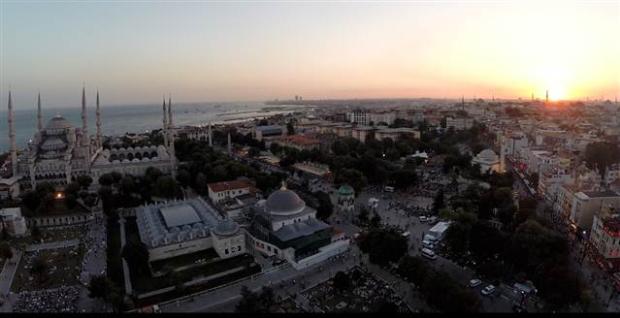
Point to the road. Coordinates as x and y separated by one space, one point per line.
226 298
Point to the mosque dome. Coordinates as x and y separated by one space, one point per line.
487 155
226 227
345 190
53 143
284 202
58 122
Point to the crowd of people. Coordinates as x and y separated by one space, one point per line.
93 262
63 299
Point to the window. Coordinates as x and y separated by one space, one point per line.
226 251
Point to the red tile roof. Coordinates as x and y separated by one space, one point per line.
229 185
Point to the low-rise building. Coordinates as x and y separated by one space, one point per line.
261 132
225 190
459 123
605 238
12 220
175 228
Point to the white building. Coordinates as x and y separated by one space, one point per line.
176 228
226 190
13 221
459 123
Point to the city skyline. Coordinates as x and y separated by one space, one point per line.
255 51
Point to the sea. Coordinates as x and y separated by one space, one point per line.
119 119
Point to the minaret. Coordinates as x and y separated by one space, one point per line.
165 122
171 139
85 138
99 137
39 116
210 136
229 145
12 137
547 96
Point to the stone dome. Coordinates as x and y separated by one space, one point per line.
58 122
346 189
487 155
226 227
284 202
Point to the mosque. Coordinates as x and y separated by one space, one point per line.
282 226
59 152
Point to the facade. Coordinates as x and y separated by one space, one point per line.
396 133
261 132
226 190
459 123
12 220
346 198
605 239
176 228
9 188
299 142
586 204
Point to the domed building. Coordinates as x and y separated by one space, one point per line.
346 198
488 161
285 227
60 152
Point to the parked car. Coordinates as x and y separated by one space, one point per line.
475 283
428 244
428 254
423 219
487 291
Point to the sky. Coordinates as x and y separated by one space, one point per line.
136 51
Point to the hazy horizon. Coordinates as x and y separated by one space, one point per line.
204 52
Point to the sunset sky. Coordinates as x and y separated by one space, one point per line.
215 51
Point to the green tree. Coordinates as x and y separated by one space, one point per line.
5 251
290 129
438 201
39 268
255 302
325 208
342 281
601 155
137 256
84 181
384 246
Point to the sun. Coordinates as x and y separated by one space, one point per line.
557 92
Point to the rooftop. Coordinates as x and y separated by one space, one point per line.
178 215
229 185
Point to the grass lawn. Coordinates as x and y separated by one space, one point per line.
64 266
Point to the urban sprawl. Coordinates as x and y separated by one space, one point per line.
385 205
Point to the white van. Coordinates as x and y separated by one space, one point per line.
406 234
428 253
388 189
